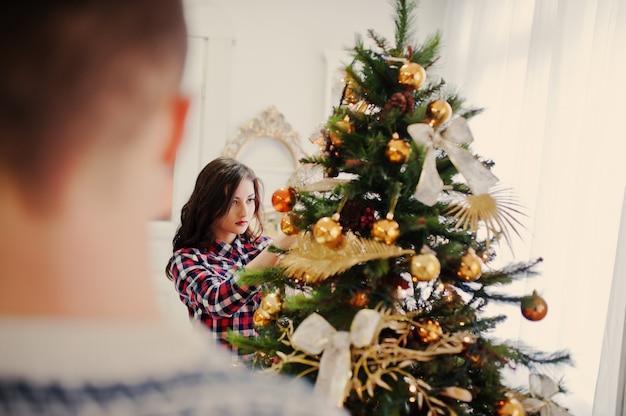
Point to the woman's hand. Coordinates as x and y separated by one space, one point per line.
267 258
285 241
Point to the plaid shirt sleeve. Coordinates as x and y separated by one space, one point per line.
206 281
210 287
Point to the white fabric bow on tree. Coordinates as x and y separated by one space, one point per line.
316 336
542 389
478 177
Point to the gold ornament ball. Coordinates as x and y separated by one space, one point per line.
287 226
272 304
385 230
398 150
510 407
284 199
261 318
430 331
335 137
425 267
328 232
471 267
439 111
341 127
411 75
349 95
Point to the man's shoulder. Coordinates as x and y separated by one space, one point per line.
190 393
53 368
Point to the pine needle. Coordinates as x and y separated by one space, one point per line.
403 20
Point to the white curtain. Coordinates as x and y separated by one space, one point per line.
551 77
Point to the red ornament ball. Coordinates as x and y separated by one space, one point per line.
534 307
284 199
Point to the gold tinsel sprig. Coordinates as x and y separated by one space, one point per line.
497 211
313 262
384 356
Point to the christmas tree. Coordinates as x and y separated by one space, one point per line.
381 302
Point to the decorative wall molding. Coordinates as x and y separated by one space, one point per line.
271 124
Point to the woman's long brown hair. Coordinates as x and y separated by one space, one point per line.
210 200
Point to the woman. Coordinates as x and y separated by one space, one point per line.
220 234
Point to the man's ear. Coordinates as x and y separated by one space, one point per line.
180 107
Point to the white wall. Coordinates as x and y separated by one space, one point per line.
278 54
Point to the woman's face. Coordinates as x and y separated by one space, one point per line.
239 215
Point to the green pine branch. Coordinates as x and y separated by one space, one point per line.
404 20
533 359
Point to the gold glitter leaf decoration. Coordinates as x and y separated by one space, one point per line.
324 185
314 262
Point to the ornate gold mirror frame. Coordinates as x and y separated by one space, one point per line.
269 124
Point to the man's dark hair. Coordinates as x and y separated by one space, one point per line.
66 64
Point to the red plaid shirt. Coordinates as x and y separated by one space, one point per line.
206 281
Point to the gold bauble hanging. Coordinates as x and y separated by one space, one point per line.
287 226
510 407
385 230
429 331
341 127
438 112
284 199
349 95
328 232
272 304
470 268
398 150
411 75
270 307
261 318
425 267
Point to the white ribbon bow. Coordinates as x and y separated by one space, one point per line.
542 389
430 185
316 336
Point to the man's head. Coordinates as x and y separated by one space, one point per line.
82 77
90 117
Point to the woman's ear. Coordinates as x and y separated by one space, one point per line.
180 107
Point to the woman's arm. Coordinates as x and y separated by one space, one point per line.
266 258
212 289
